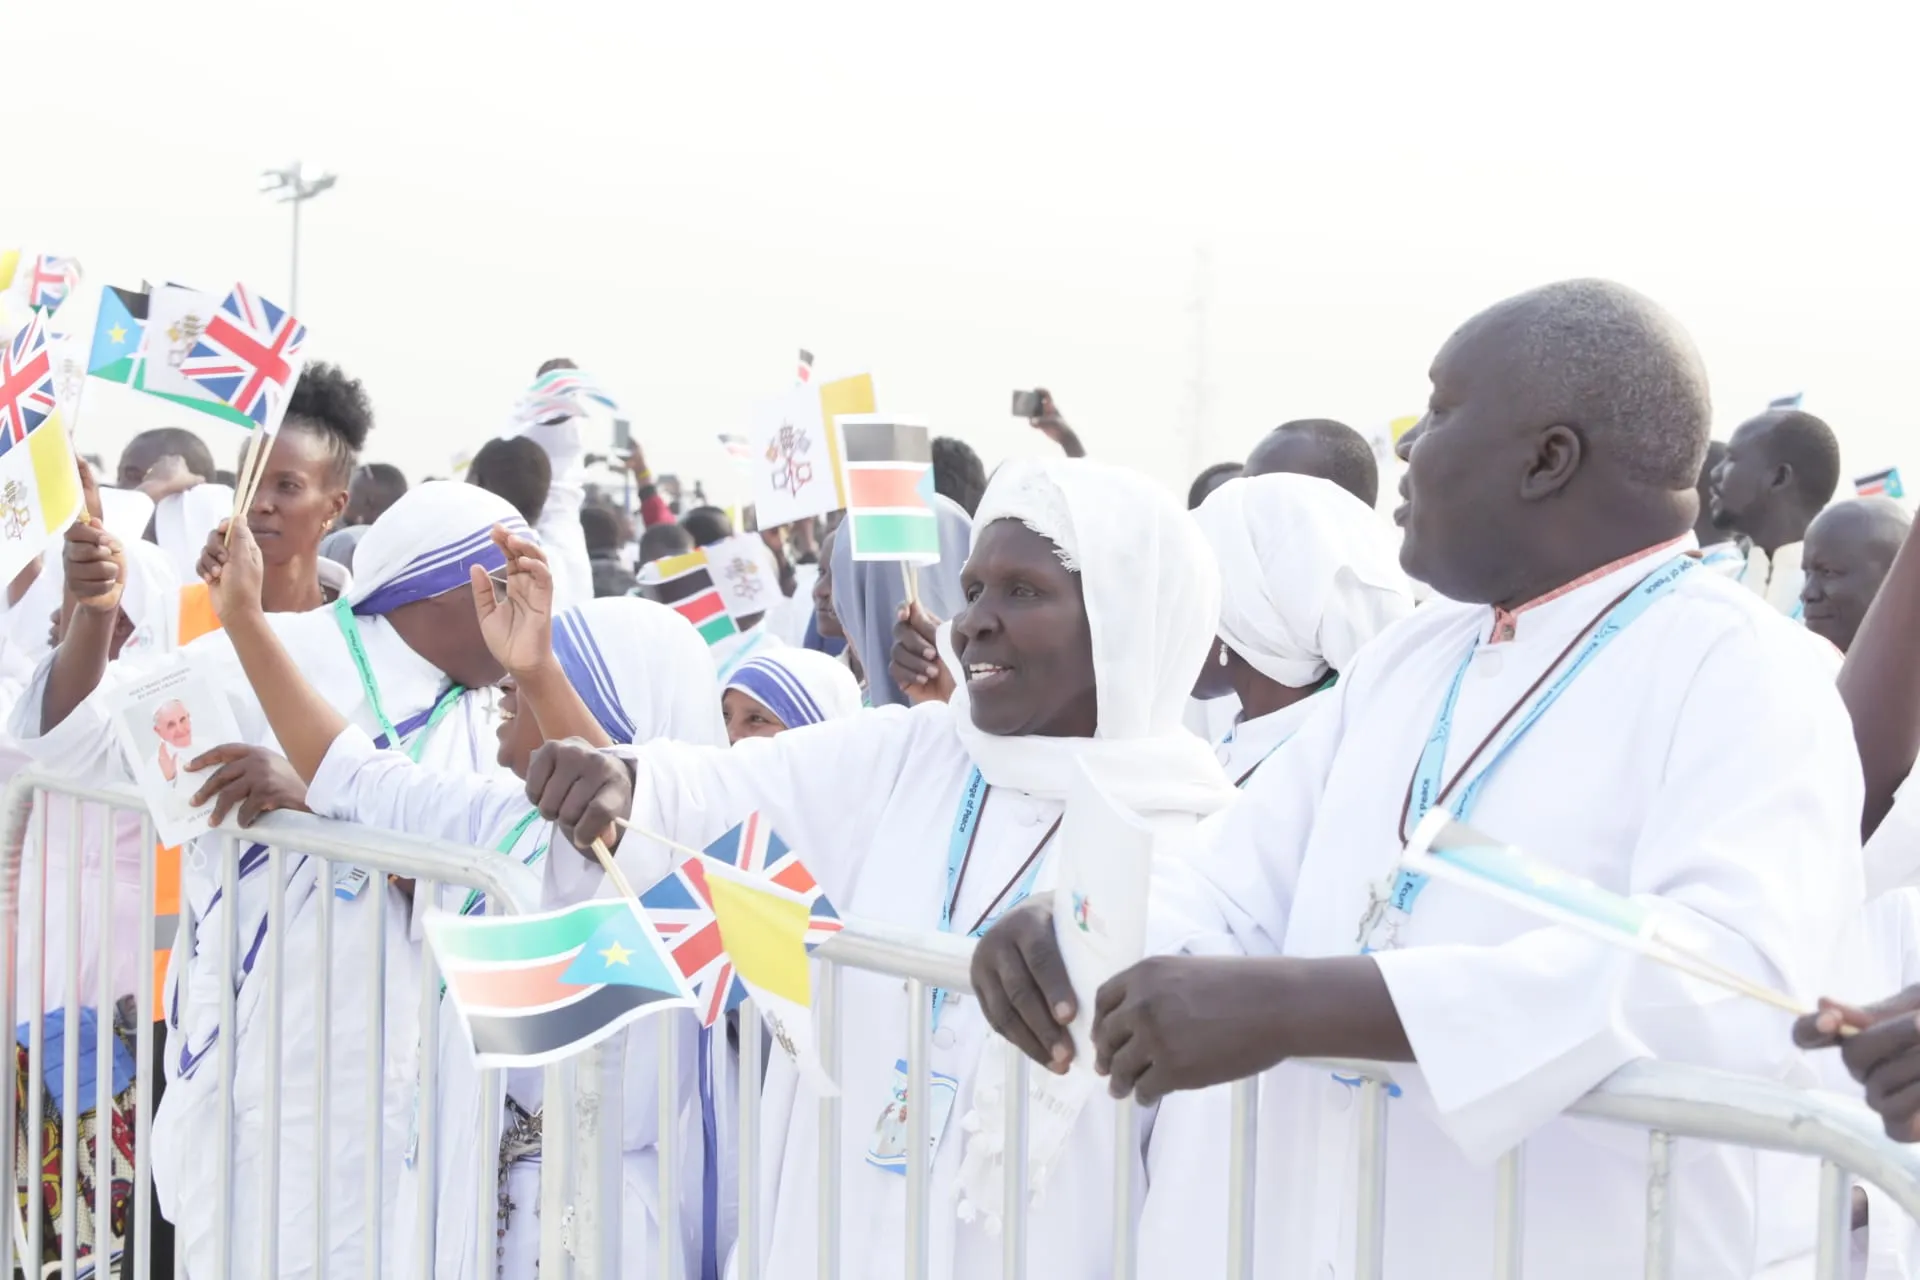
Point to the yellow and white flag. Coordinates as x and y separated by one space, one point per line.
39 492
764 930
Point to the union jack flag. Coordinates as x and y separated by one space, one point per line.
249 355
27 393
52 280
681 908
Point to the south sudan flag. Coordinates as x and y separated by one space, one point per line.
685 584
534 989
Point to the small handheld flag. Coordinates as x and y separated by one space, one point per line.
685 584
804 374
1787 402
249 356
118 354
558 394
738 447
1880 484
50 280
888 463
534 989
1448 850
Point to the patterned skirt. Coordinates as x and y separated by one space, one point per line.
37 1176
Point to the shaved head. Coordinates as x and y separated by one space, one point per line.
1565 429
1849 549
1319 447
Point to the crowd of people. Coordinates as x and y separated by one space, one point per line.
1671 666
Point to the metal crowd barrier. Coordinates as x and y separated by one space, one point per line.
33 802
581 1160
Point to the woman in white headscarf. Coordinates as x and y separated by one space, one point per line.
614 670
1307 577
400 657
1090 600
786 689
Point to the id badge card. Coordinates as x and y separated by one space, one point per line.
888 1149
350 882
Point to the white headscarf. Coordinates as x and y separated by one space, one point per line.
799 686
182 521
642 670
423 545
1307 574
1153 598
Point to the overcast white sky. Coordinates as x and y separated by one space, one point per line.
970 199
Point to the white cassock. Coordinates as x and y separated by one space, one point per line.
1660 772
1249 743
640 668
873 804
1777 578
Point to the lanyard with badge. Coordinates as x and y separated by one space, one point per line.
348 882
888 1149
1391 903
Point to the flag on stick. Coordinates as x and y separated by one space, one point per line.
39 480
804 374
118 354
888 464
1787 402
248 356
685 584
1881 484
534 989
1447 849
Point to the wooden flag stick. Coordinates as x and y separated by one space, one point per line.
645 834
612 868
911 577
244 483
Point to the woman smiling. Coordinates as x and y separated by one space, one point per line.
945 816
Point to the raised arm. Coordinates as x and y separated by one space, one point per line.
96 573
1880 683
518 626
304 722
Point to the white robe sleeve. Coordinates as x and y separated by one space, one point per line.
1893 851
358 782
1752 840
822 787
1233 891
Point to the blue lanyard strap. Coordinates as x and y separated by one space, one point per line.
1425 790
966 825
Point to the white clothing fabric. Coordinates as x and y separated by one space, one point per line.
636 664
1307 574
799 686
729 653
1739 812
789 616
1776 579
1728 559
1152 598
182 521
1210 719
872 800
336 579
1892 854
1249 743
559 524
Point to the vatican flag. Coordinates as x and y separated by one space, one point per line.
39 492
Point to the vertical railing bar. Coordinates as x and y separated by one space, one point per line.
919 1030
610 1058
826 1021
1370 1209
556 1165
229 1051
425 1101
103 1057
1242 1160
1126 1145
1832 1252
12 914
1509 1213
275 1011
70 1050
666 1097
37 1031
1660 1222
323 1067
143 1066
487 1243
1013 1147
747 1133
376 1083
190 947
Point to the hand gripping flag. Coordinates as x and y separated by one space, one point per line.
249 356
751 935
534 989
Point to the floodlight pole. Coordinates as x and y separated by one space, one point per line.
295 186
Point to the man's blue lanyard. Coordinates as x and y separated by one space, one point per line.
959 844
1427 783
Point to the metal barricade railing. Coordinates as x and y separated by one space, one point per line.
1669 1101
37 807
